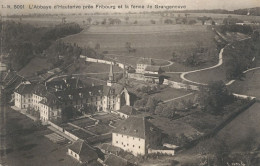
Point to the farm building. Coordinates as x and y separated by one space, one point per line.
114 160
136 135
142 63
82 152
126 111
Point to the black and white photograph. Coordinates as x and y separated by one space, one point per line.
129 82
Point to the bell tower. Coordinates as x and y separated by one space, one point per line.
111 79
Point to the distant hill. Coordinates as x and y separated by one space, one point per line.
249 11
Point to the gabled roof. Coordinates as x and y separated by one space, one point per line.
85 152
71 83
114 160
80 93
50 100
40 90
146 61
137 127
110 148
114 89
25 88
154 69
128 110
12 79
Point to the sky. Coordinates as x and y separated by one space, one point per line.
190 4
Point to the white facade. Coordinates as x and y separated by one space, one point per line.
22 101
131 144
140 68
74 155
36 99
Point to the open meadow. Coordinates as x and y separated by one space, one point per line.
153 41
250 85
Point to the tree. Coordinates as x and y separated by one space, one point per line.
151 104
129 48
97 46
152 21
204 19
89 20
255 36
174 55
215 97
68 113
89 109
168 21
126 19
221 152
186 15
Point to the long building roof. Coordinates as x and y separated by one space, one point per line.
137 127
85 151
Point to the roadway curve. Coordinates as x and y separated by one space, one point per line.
183 74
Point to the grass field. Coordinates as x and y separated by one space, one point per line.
89 67
169 93
142 19
207 76
29 147
249 86
157 41
236 135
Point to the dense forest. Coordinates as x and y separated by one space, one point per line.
24 41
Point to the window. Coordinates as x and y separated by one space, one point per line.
122 135
139 147
116 134
127 144
133 138
133 146
116 141
122 143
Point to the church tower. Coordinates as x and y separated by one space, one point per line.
111 79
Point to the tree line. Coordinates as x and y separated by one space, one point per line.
24 41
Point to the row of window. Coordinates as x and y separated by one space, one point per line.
128 145
127 137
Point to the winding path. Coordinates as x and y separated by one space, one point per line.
183 74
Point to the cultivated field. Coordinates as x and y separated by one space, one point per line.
155 41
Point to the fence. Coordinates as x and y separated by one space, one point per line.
219 127
121 65
64 131
179 85
165 152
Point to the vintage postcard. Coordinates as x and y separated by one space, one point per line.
129 83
